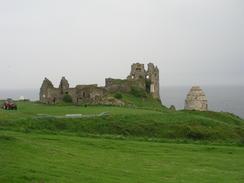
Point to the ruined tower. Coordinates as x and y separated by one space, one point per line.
137 72
44 91
150 78
64 86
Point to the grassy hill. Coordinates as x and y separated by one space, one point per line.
142 122
144 142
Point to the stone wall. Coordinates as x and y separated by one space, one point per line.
119 85
89 94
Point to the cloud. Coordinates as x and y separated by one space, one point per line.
192 42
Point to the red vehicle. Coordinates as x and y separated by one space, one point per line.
9 105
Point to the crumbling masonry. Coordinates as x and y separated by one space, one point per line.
147 80
196 100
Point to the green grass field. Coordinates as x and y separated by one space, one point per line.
57 158
128 144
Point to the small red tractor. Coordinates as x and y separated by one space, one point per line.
9 105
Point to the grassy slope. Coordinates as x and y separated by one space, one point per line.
56 158
66 157
156 123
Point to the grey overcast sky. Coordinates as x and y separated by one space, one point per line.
191 41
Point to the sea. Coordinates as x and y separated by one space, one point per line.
220 98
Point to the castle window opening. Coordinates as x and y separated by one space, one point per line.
152 89
148 85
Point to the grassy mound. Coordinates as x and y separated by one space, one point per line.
156 122
40 143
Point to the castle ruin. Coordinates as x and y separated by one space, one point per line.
146 80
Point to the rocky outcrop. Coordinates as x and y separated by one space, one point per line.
196 100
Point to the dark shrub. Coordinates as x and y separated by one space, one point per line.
118 96
137 92
196 133
242 140
67 98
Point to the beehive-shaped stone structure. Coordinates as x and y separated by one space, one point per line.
196 100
